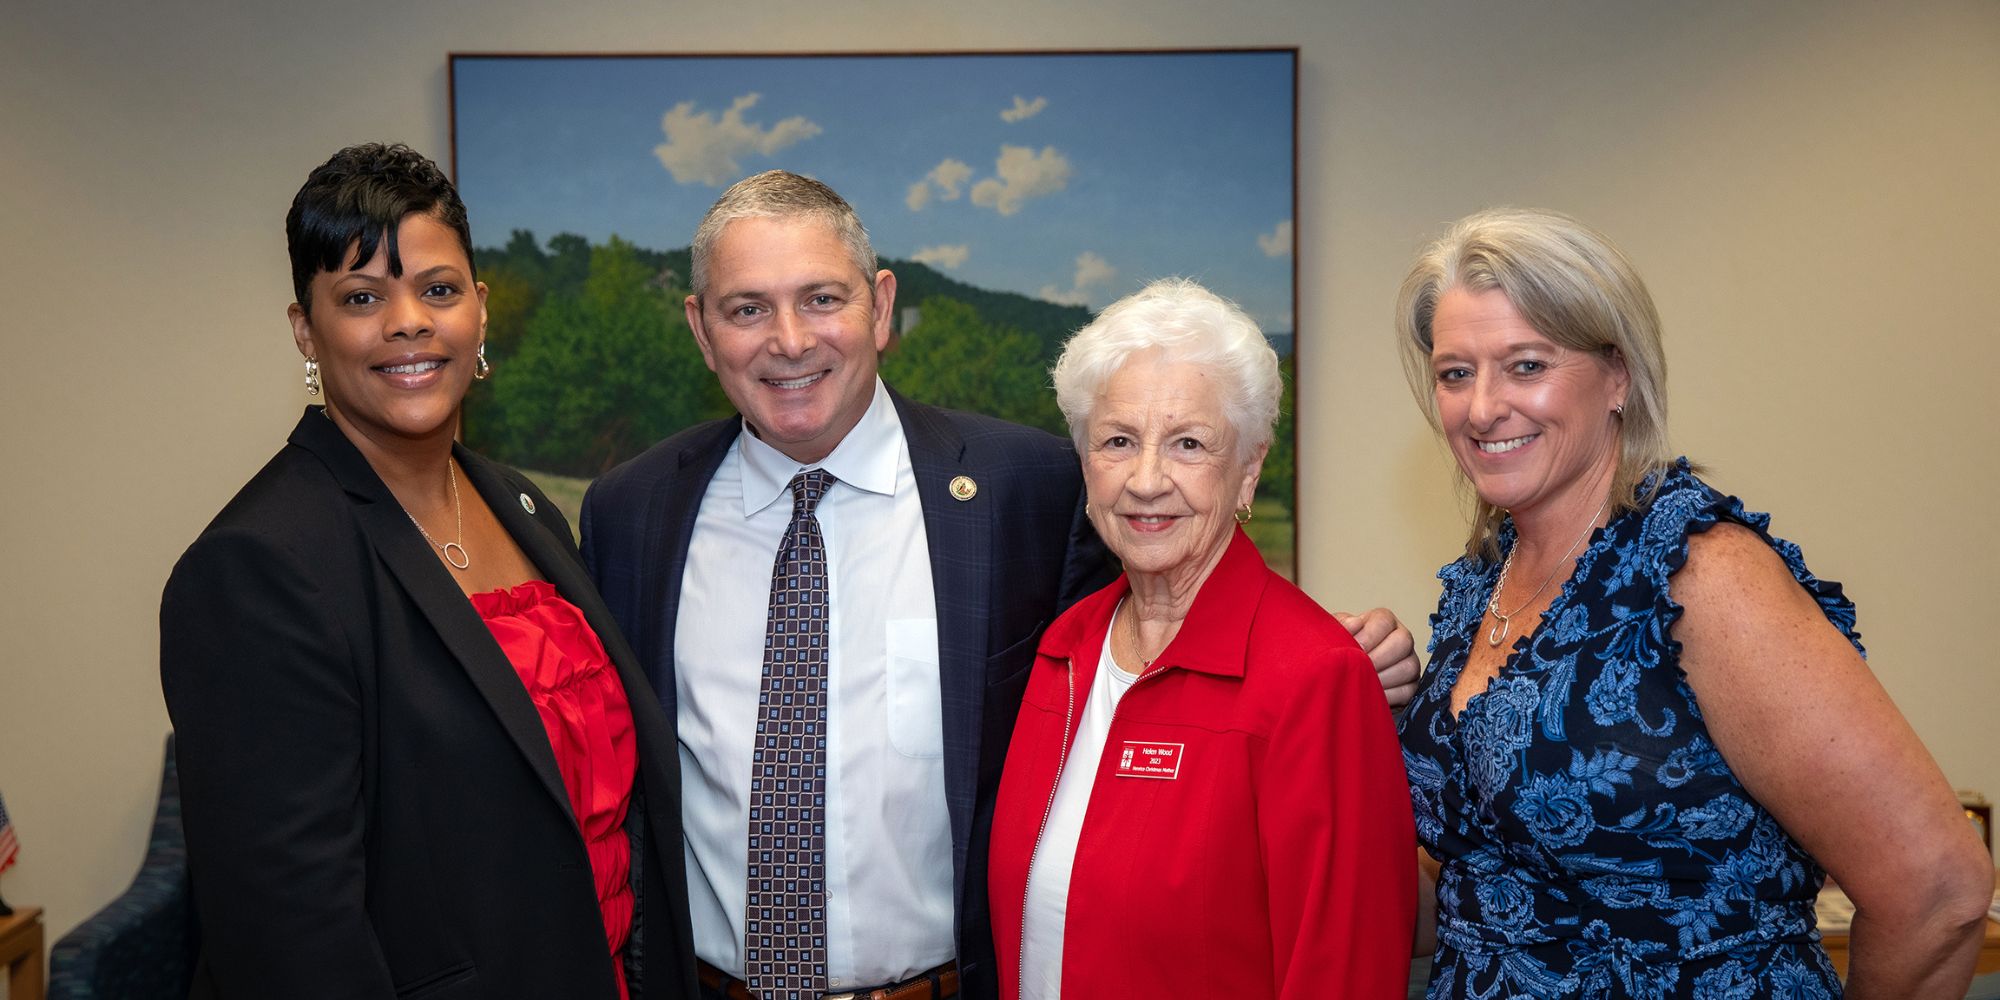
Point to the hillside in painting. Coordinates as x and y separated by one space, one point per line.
593 360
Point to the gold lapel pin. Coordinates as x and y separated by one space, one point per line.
963 488
527 503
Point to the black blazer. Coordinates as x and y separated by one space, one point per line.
371 805
1003 564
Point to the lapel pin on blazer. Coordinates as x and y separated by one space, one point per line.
527 503
963 488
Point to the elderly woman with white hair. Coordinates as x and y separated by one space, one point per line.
1648 732
1203 795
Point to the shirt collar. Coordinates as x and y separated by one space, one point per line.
1214 638
865 459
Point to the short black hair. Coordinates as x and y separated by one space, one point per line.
361 195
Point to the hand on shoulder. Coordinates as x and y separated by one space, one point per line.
1391 650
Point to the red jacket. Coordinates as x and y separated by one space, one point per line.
1264 848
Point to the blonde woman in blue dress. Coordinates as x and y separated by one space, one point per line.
1648 732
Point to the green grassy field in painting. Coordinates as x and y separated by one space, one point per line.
566 491
1272 528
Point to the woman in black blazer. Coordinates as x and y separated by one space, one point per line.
416 758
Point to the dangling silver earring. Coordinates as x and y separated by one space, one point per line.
312 376
483 369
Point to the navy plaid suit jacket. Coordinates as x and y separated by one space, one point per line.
1003 565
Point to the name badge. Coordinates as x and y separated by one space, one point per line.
1137 759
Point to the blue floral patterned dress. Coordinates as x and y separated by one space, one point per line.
1594 843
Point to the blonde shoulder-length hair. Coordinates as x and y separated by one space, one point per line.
1575 288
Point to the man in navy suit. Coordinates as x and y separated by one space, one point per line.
950 541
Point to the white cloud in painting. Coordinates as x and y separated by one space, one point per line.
1061 297
1021 174
704 149
950 177
1023 109
944 257
1277 242
947 179
1092 271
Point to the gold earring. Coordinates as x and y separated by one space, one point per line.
483 368
1243 514
312 376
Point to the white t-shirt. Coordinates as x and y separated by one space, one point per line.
1055 853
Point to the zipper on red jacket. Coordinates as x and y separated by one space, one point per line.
1069 716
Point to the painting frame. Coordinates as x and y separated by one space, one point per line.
1072 139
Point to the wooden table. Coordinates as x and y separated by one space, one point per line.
21 953
1989 951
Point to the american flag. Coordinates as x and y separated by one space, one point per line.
8 845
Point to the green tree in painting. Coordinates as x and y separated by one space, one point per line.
569 261
601 372
1049 323
516 279
951 357
1281 465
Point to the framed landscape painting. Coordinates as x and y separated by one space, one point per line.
1014 194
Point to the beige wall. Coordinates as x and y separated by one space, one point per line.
1809 188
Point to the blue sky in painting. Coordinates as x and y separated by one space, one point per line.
1104 172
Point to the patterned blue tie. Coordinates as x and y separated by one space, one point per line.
785 921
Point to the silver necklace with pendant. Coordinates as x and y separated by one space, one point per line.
1501 624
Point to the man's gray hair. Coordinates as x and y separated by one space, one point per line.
779 194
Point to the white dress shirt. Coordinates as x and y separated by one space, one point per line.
1055 853
889 873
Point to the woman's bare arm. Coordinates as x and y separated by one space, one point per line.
1813 736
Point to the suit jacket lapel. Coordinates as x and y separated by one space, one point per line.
959 536
550 554
671 508
556 559
437 596
548 546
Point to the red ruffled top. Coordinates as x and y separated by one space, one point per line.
577 692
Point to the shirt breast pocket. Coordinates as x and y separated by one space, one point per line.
916 706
